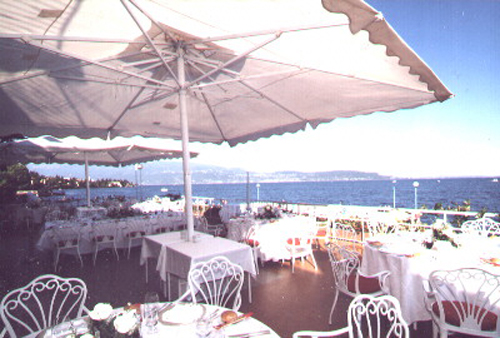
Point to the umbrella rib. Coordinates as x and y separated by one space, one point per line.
122 114
272 101
98 63
150 41
250 77
263 32
76 39
75 78
209 106
233 60
46 72
157 24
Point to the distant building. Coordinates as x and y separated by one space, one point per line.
115 184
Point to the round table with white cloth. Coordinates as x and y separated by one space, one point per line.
174 320
410 264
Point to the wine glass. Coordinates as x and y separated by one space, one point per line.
150 312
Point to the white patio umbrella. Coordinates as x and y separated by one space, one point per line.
209 71
119 151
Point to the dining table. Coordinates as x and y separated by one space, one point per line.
175 255
272 234
86 228
410 263
172 320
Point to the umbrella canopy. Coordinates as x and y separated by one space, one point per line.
119 151
210 71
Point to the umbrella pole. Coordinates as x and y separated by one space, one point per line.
188 195
87 180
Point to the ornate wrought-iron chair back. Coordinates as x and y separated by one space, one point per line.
44 302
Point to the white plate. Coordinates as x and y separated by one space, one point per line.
182 314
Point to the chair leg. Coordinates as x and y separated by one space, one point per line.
129 248
56 259
79 255
333 306
116 251
95 254
314 261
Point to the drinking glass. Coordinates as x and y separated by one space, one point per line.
150 312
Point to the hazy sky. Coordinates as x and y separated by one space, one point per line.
460 41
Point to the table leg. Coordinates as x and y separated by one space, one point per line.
249 287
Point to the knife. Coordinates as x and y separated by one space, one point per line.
250 334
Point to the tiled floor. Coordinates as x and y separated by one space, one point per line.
286 302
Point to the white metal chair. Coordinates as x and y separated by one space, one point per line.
345 235
103 238
348 280
66 240
483 227
252 240
212 229
369 316
44 302
133 233
464 300
216 282
301 247
323 230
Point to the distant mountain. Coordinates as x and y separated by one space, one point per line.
170 172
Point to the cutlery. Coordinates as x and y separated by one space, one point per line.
250 334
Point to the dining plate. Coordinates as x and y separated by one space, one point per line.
182 314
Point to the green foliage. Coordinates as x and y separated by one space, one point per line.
18 177
13 178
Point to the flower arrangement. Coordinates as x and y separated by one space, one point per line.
268 212
441 232
106 323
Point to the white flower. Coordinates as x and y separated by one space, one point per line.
101 311
86 335
125 322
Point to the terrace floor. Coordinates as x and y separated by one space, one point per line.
286 302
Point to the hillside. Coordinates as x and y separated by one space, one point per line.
170 172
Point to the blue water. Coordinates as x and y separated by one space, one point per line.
482 192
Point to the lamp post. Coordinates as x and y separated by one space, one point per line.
415 185
394 194
258 193
138 167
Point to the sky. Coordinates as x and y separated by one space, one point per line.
460 41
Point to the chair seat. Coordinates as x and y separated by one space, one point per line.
135 234
252 242
454 313
290 241
321 233
104 238
367 285
67 244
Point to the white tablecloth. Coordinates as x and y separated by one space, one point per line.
408 272
176 255
272 236
188 329
115 227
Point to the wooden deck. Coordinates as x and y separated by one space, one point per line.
286 302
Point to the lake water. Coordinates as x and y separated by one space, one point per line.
482 192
